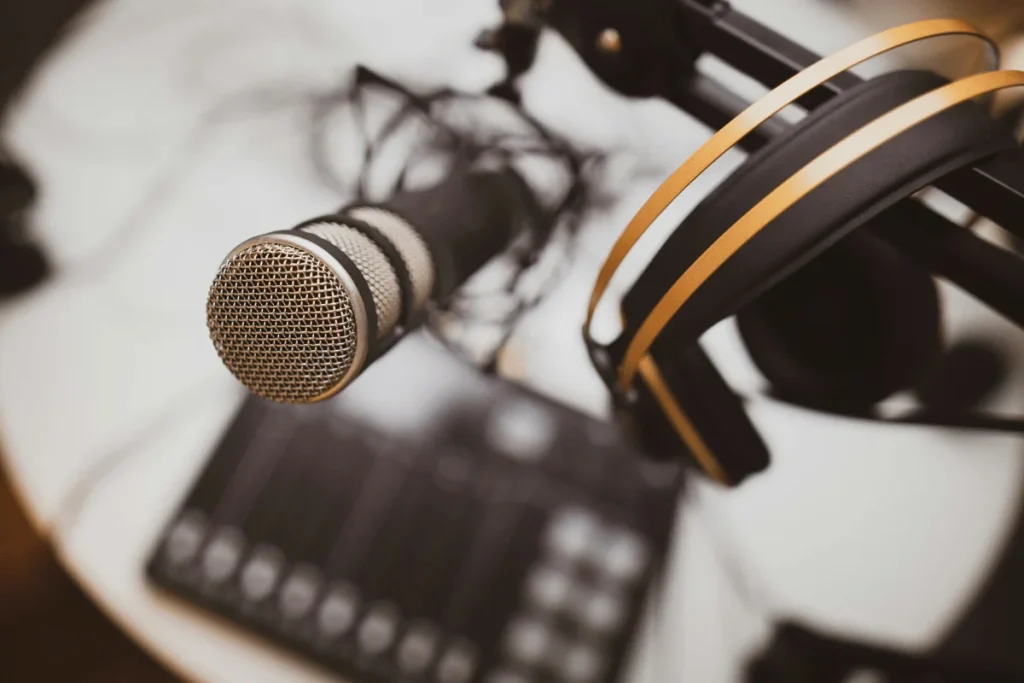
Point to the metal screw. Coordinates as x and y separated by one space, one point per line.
609 41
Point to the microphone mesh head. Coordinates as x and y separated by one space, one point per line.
283 322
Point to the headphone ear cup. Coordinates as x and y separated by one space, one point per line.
972 371
849 329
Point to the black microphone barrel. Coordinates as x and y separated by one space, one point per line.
467 220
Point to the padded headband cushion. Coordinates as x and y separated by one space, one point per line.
913 159
848 329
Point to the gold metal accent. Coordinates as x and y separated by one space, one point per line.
825 166
610 41
759 112
681 424
287 320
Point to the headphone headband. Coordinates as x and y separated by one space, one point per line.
821 169
757 114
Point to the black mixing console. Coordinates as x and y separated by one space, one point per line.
514 541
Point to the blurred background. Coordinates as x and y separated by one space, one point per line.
155 136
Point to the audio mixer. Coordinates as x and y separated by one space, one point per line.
511 540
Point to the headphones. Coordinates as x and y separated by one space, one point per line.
836 318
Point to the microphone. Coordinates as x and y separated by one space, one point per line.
297 315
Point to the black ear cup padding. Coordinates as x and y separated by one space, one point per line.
848 329
971 372
715 411
914 159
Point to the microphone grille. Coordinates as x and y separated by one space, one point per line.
408 243
282 322
374 266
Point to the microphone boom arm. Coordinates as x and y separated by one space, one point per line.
653 68
994 189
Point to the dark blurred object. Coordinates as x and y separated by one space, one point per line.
49 631
517 43
22 264
990 627
17 191
28 30
988 633
637 48
801 655
516 40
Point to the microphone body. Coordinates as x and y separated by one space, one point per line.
296 315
